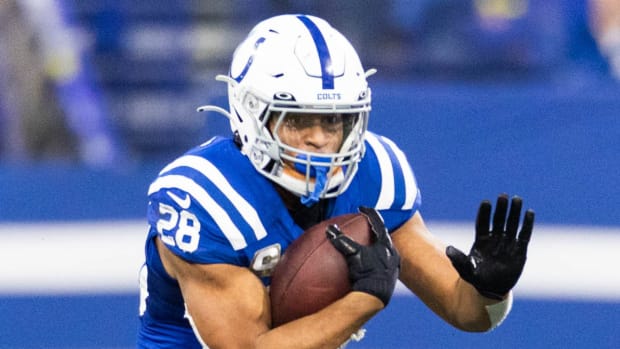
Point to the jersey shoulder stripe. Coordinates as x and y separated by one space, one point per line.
411 187
213 174
398 185
386 194
206 201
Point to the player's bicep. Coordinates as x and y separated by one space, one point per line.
227 305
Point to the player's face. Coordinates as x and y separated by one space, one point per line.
319 133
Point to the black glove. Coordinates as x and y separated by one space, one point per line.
372 269
497 256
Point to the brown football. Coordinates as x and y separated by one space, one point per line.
312 273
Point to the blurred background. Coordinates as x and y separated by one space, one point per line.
485 96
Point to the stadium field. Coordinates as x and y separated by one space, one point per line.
68 293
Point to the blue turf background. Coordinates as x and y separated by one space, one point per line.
109 321
553 143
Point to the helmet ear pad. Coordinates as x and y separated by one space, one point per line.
297 63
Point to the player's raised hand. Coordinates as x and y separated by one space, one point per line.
373 269
498 255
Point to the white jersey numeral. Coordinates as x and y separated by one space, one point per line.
180 229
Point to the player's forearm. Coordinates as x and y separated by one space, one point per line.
461 305
442 290
478 313
428 272
456 302
328 328
470 312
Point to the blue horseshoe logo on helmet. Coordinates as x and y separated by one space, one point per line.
250 61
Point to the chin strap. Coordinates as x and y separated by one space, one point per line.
319 173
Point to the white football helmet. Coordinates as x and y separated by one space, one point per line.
297 64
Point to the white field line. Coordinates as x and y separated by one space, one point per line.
104 257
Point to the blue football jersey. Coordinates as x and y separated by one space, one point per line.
211 206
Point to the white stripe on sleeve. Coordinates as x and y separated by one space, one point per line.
410 185
209 170
386 196
219 215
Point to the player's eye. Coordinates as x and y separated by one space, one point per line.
298 122
329 122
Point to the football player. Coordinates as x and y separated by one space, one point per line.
223 214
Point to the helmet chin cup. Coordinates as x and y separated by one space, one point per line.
316 167
312 165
